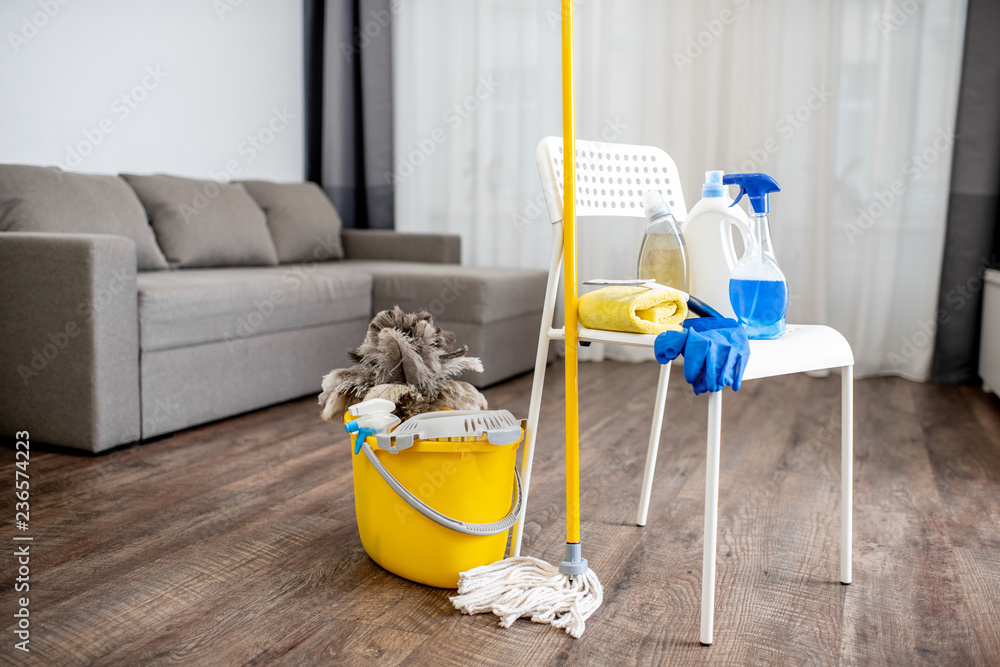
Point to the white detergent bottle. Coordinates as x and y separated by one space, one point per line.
709 240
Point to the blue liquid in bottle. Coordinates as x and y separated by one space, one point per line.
760 306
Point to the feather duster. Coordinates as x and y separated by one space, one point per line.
408 360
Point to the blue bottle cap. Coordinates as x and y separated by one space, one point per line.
713 186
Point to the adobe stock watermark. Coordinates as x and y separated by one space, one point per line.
433 480
534 208
122 107
161 411
225 7
277 463
250 323
453 288
52 345
702 40
248 150
32 24
883 200
371 27
554 18
453 117
959 297
786 127
897 16
827 432
959 470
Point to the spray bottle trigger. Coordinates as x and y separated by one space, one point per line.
743 191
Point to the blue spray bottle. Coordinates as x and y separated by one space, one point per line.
758 290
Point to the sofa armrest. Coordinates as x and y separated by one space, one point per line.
382 244
69 339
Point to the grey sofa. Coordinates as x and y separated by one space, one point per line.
114 332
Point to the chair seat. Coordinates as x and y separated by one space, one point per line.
804 347
599 336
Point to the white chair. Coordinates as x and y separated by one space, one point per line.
610 182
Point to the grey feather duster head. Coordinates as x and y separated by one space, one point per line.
409 360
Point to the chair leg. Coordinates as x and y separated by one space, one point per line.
654 443
537 384
711 515
530 430
846 469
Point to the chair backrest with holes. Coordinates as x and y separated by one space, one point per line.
611 179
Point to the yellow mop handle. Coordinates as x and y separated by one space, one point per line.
569 283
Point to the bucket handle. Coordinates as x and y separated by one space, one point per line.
463 527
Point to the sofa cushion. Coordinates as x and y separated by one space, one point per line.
198 306
303 223
454 293
203 223
48 199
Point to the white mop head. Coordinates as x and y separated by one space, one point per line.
527 587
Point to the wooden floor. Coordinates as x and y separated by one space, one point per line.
236 542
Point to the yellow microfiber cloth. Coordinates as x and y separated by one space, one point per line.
632 309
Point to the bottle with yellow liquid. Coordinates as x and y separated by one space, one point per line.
663 256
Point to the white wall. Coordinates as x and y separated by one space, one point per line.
188 87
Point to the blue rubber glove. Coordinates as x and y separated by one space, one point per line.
715 352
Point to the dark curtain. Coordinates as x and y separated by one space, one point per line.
972 240
348 72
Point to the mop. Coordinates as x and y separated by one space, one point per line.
563 596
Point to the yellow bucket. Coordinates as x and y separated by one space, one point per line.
436 508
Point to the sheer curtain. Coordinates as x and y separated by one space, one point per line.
849 104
